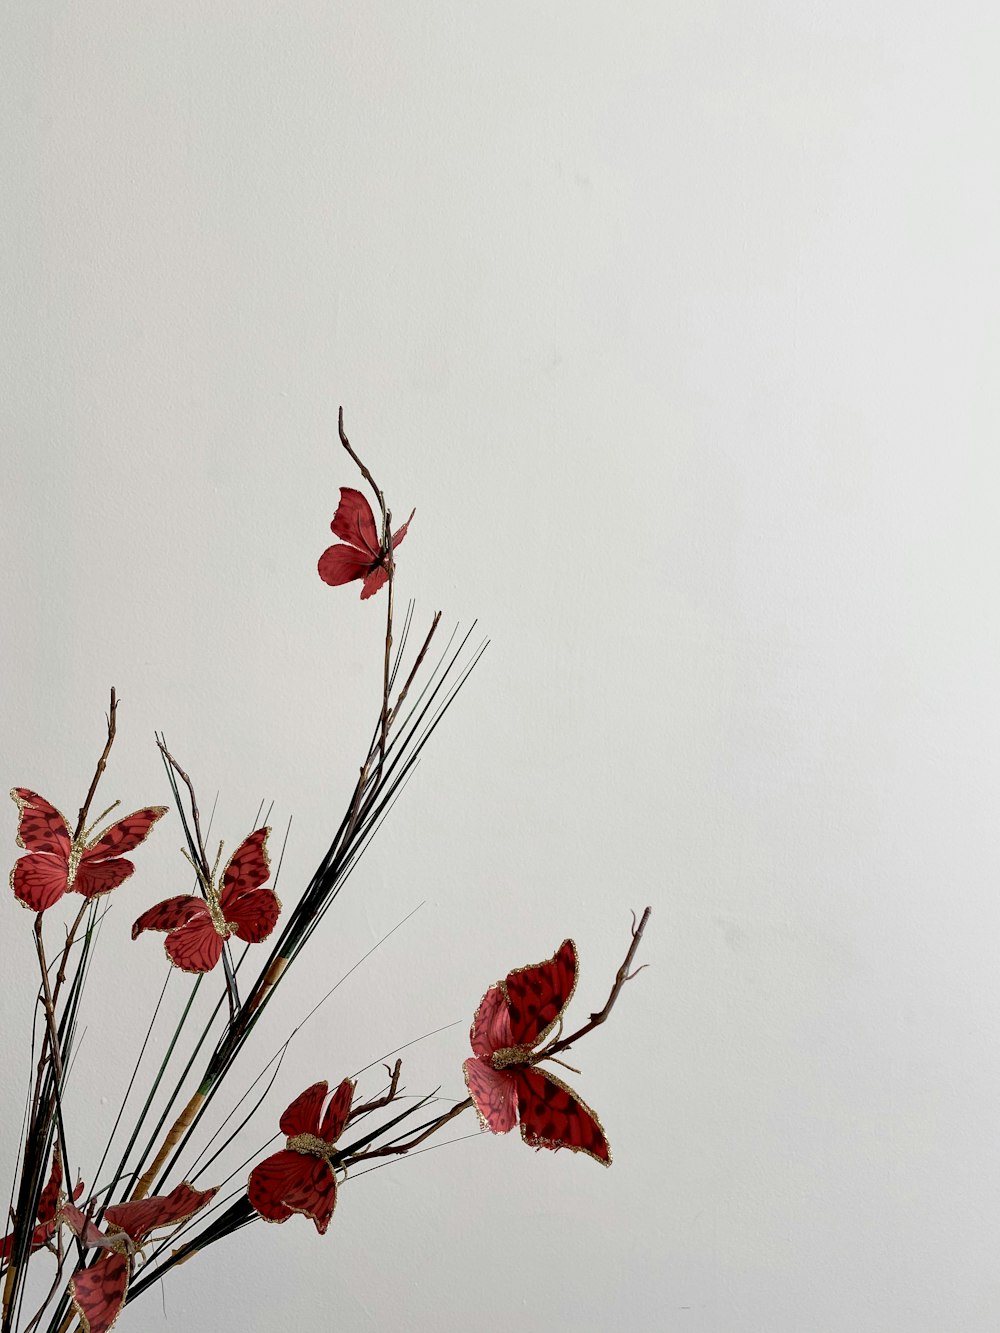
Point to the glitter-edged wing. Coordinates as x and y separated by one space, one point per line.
553 1116
537 995
337 1112
40 879
138 1218
491 1024
48 1203
303 1116
251 910
494 1093
192 944
98 1292
40 826
292 1182
103 865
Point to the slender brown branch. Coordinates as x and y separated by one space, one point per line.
195 815
622 976
415 668
379 1102
394 1149
363 470
102 764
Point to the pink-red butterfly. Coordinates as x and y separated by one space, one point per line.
99 1292
300 1178
50 1203
197 927
364 556
56 862
512 1022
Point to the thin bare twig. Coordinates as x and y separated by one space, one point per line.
202 854
102 764
622 976
394 1149
364 1107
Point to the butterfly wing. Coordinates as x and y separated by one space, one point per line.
354 522
124 836
491 1024
537 995
494 1094
337 1112
553 1116
192 944
342 564
40 826
40 879
293 1182
303 1116
103 865
139 1217
99 1292
379 575
250 910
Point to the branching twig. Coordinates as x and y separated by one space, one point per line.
394 1149
622 976
379 1102
102 764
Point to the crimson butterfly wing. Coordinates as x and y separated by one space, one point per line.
537 995
102 876
49 1197
40 826
337 1112
494 1094
553 1116
125 835
380 574
491 1024
39 881
249 866
250 910
139 1217
99 1292
192 944
342 564
292 1182
354 522
303 1116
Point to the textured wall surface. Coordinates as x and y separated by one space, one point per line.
678 324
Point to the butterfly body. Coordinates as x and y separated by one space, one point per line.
198 927
514 1019
57 862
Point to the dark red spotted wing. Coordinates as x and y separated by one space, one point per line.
537 995
553 1116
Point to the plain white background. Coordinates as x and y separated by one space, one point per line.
678 324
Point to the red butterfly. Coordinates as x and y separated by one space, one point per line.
50 1204
98 1292
57 862
364 557
300 1178
513 1020
198 927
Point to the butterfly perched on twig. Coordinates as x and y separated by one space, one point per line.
300 1178
514 1019
58 862
362 554
198 927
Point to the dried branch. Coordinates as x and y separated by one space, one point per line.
379 1102
622 976
394 1149
102 764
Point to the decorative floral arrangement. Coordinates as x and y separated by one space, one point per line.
149 1207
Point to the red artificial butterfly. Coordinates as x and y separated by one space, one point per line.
198 927
98 1292
364 556
513 1020
57 862
300 1178
50 1204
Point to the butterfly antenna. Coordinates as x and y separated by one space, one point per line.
195 867
218 858
572 1068
113 806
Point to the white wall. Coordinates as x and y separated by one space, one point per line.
678 323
